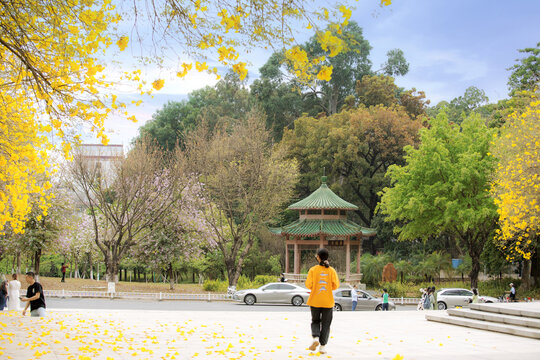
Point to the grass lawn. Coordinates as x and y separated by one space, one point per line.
52 283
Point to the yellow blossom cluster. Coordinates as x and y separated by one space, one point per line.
23 163
50 82
517 182
305 69
330 43
218 30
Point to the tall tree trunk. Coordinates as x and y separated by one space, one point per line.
535 269
112 270
91 265
18 271
171 279
526 276
37 260
475 269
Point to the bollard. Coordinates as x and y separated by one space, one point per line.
402 300
160 296
63 294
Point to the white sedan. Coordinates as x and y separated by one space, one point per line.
282 293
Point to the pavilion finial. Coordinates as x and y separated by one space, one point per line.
323 179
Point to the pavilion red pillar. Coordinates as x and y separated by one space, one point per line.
358 257
322 238
286 257
296 257
347 258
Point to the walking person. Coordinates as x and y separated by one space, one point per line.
422 299
474 299
322 279
432 298
385 300
34 297
3 295
63 269
427 300
14 287
354 297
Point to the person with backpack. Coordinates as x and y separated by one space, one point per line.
322 280
427 300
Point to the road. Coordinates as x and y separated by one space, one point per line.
179 305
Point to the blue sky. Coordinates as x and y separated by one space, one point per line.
449 44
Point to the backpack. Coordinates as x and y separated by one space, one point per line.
427 303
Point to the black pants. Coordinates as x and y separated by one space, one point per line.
63 277
321 318
385 306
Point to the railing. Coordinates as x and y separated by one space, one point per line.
136 295
353 278
294 278
170 296
405 301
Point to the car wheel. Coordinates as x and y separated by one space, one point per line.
337 307
489 302
378 307
441 305
297 300
250 299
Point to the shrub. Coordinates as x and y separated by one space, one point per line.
260 280
215 285
245 283
497 287
396 289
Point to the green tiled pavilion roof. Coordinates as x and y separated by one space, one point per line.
314 227
323 198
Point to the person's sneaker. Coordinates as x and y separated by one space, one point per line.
314 345
322 349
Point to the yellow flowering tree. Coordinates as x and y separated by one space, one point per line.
49 82
517 184
52 78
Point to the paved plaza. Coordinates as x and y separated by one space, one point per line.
131 334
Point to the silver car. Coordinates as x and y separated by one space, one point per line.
282 293
343 301
450 298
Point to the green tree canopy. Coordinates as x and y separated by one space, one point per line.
227 101
355 147
444 186
461 106
526 73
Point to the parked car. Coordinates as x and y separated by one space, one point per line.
282 293
343 301
449 298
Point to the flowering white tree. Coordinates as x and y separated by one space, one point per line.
76 241
143 189
176 236
246 180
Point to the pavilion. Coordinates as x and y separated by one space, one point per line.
323 222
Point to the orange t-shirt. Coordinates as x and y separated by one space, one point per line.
322 281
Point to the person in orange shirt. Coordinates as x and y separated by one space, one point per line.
322 279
